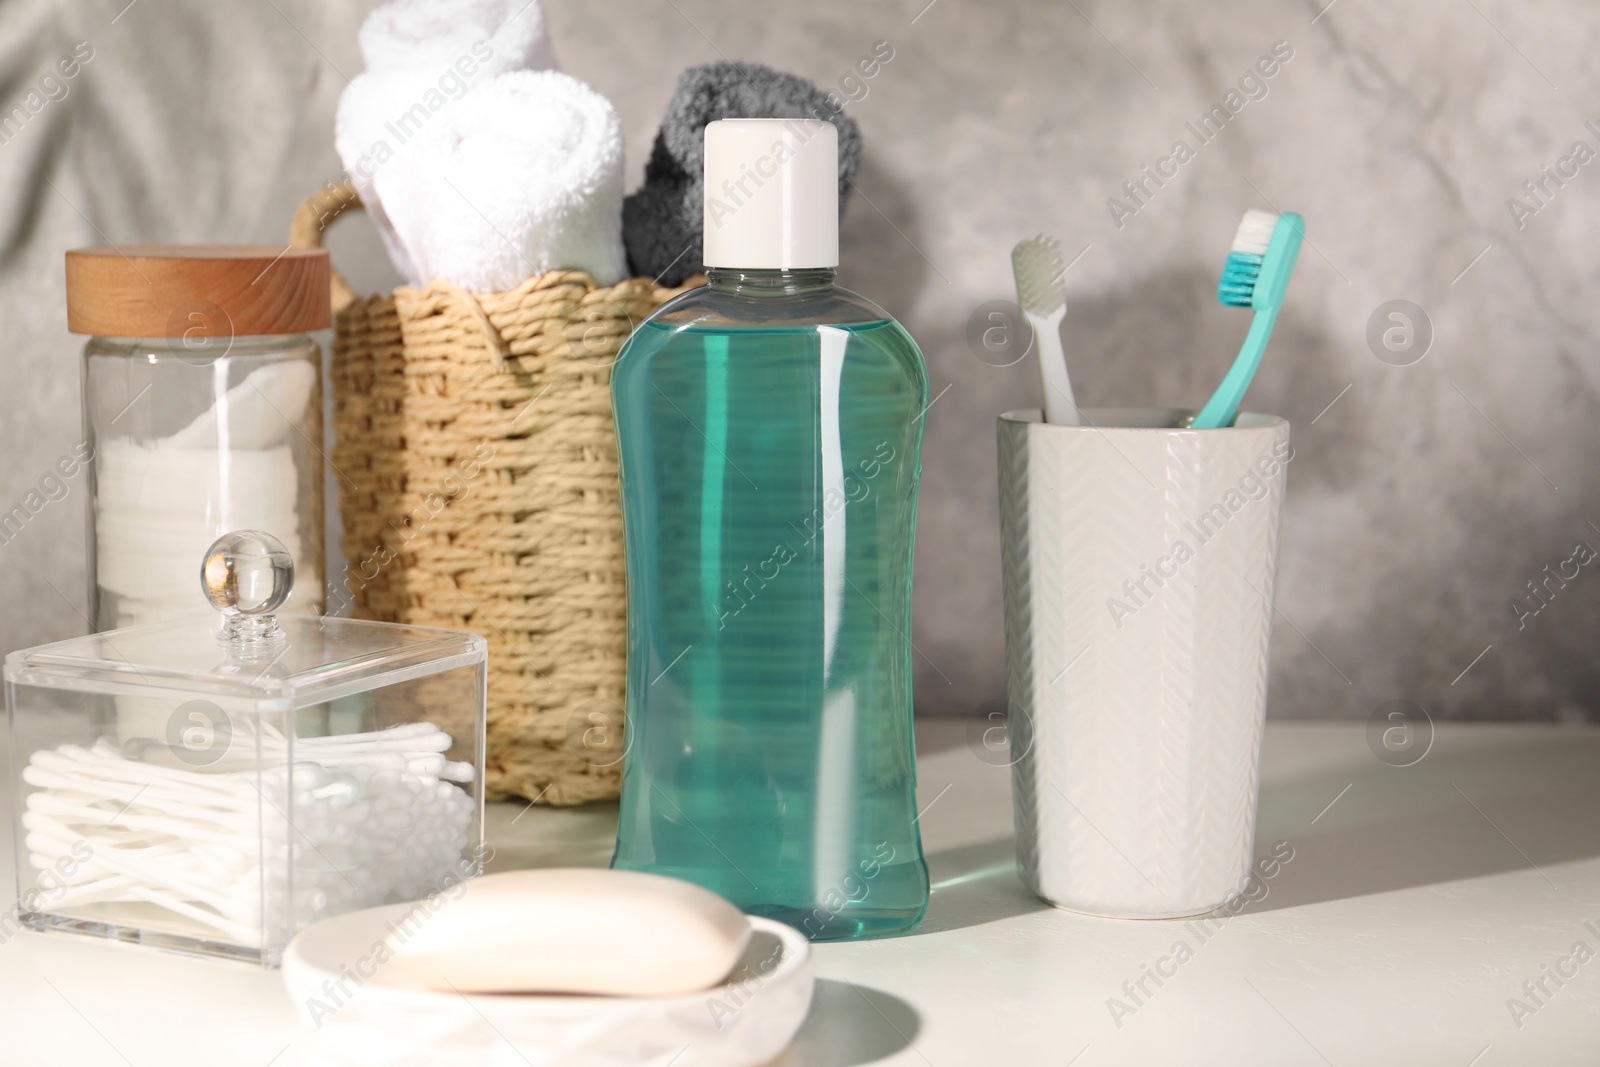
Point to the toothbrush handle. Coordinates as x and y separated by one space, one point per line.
1223 407
1060 406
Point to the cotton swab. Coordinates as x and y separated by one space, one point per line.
376 816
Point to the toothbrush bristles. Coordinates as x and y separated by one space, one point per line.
1238 284
1038 266
1250 242
1255 232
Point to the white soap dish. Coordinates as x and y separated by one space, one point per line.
363 1011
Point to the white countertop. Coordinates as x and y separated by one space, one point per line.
1418 901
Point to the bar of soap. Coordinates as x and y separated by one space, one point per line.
576 930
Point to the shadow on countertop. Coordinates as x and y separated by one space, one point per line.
851 1024
1492 803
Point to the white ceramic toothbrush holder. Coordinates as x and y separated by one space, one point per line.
1139 560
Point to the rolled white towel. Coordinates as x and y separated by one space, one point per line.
382 114
435 33
422 56
524 176
361 137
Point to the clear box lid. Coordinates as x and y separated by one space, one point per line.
248 652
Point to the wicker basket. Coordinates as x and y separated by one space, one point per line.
477 464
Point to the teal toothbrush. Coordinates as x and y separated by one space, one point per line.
1256 276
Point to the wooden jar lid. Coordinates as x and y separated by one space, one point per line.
197 290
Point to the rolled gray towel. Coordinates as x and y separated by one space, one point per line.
662 221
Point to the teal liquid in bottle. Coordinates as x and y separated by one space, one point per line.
770 431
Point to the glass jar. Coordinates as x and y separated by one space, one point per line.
202 412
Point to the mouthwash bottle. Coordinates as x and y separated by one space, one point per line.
770 431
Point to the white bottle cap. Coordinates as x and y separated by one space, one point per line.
772 194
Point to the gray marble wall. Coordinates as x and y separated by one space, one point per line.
1429 486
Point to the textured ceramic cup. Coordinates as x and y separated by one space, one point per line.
1138 561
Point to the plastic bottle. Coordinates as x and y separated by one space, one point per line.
770 430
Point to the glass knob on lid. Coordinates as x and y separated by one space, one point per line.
247 575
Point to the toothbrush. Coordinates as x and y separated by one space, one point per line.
1255 276
1038 268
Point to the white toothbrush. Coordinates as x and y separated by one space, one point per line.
1038 267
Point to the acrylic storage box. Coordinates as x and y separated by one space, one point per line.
212 785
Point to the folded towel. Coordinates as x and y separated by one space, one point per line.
437 33
663 220
523 177
422 57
